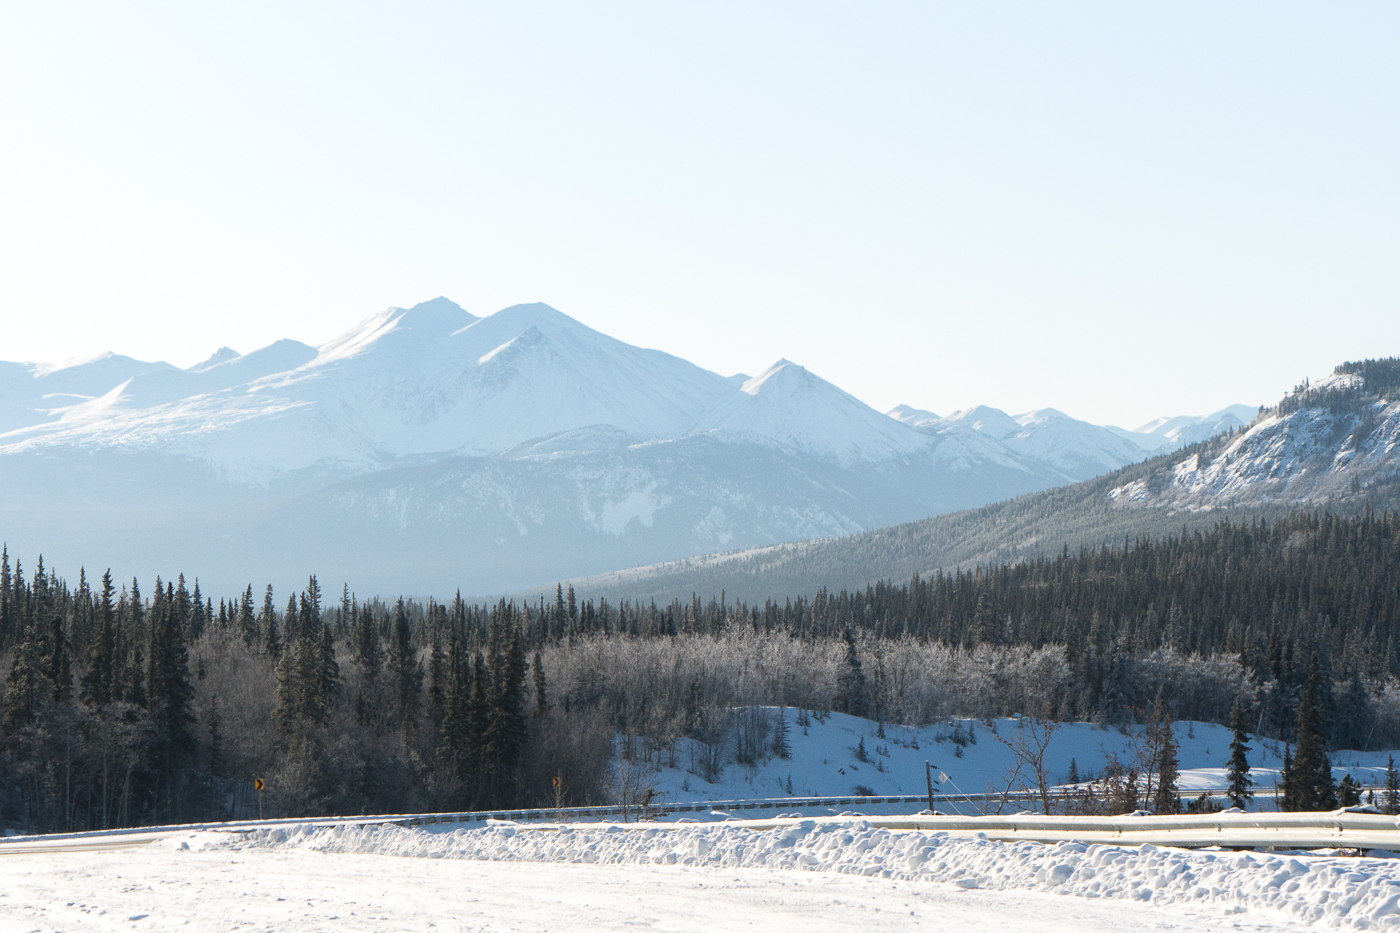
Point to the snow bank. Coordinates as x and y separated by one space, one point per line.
1357 894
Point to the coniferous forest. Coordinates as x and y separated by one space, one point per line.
127 702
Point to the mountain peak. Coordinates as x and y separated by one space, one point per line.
435 314
221 355
784 373
987 420
914 417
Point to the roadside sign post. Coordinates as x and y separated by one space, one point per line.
928 776
258 786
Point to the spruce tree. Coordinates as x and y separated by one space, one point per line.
454 749
25 686
850 684
60 672
5 619
328 686
1348 792
1287 793
1313 786
1392 787
782 747
247 622
1240 790
406 674
290 623
169 692
437 665
1166 799
541 695
100 682
507 727
267 620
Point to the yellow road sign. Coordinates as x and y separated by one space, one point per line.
258 784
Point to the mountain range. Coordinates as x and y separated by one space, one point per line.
427 449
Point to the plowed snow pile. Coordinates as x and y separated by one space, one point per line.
1352 893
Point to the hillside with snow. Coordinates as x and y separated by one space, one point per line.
1328 445
487 453
1336 440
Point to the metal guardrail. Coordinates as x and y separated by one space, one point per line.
1339 829
1344 830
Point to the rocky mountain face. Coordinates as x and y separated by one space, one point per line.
1330 441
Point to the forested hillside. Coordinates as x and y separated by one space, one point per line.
1334 444
123 708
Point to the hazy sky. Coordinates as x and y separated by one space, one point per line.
1120 209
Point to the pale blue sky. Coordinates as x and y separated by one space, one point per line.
1118 209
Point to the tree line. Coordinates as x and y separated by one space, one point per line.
122 708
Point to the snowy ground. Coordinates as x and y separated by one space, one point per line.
807 876
498 879
824 759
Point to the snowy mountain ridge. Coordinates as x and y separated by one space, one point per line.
524 446
1331 440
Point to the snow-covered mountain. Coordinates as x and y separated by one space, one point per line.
1076 449
1332 440
1163 435
426 449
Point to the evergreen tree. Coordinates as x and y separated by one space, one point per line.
6 622
134 687
1392 787
478 720
850 685
328 672
369 653
217 764
782 747
290 622
26 685
406 674
60 673
247 621
456 746
169 692
1288 786
1166 799
541 697
199 616
1354 714
437 665
1313 788
267 621
100 682
1240 790
1348 792
507 726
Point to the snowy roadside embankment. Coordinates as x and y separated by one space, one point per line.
1352 893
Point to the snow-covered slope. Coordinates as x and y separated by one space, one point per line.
1074 449
1335 439
824 759
1163 435
496 452
789 406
